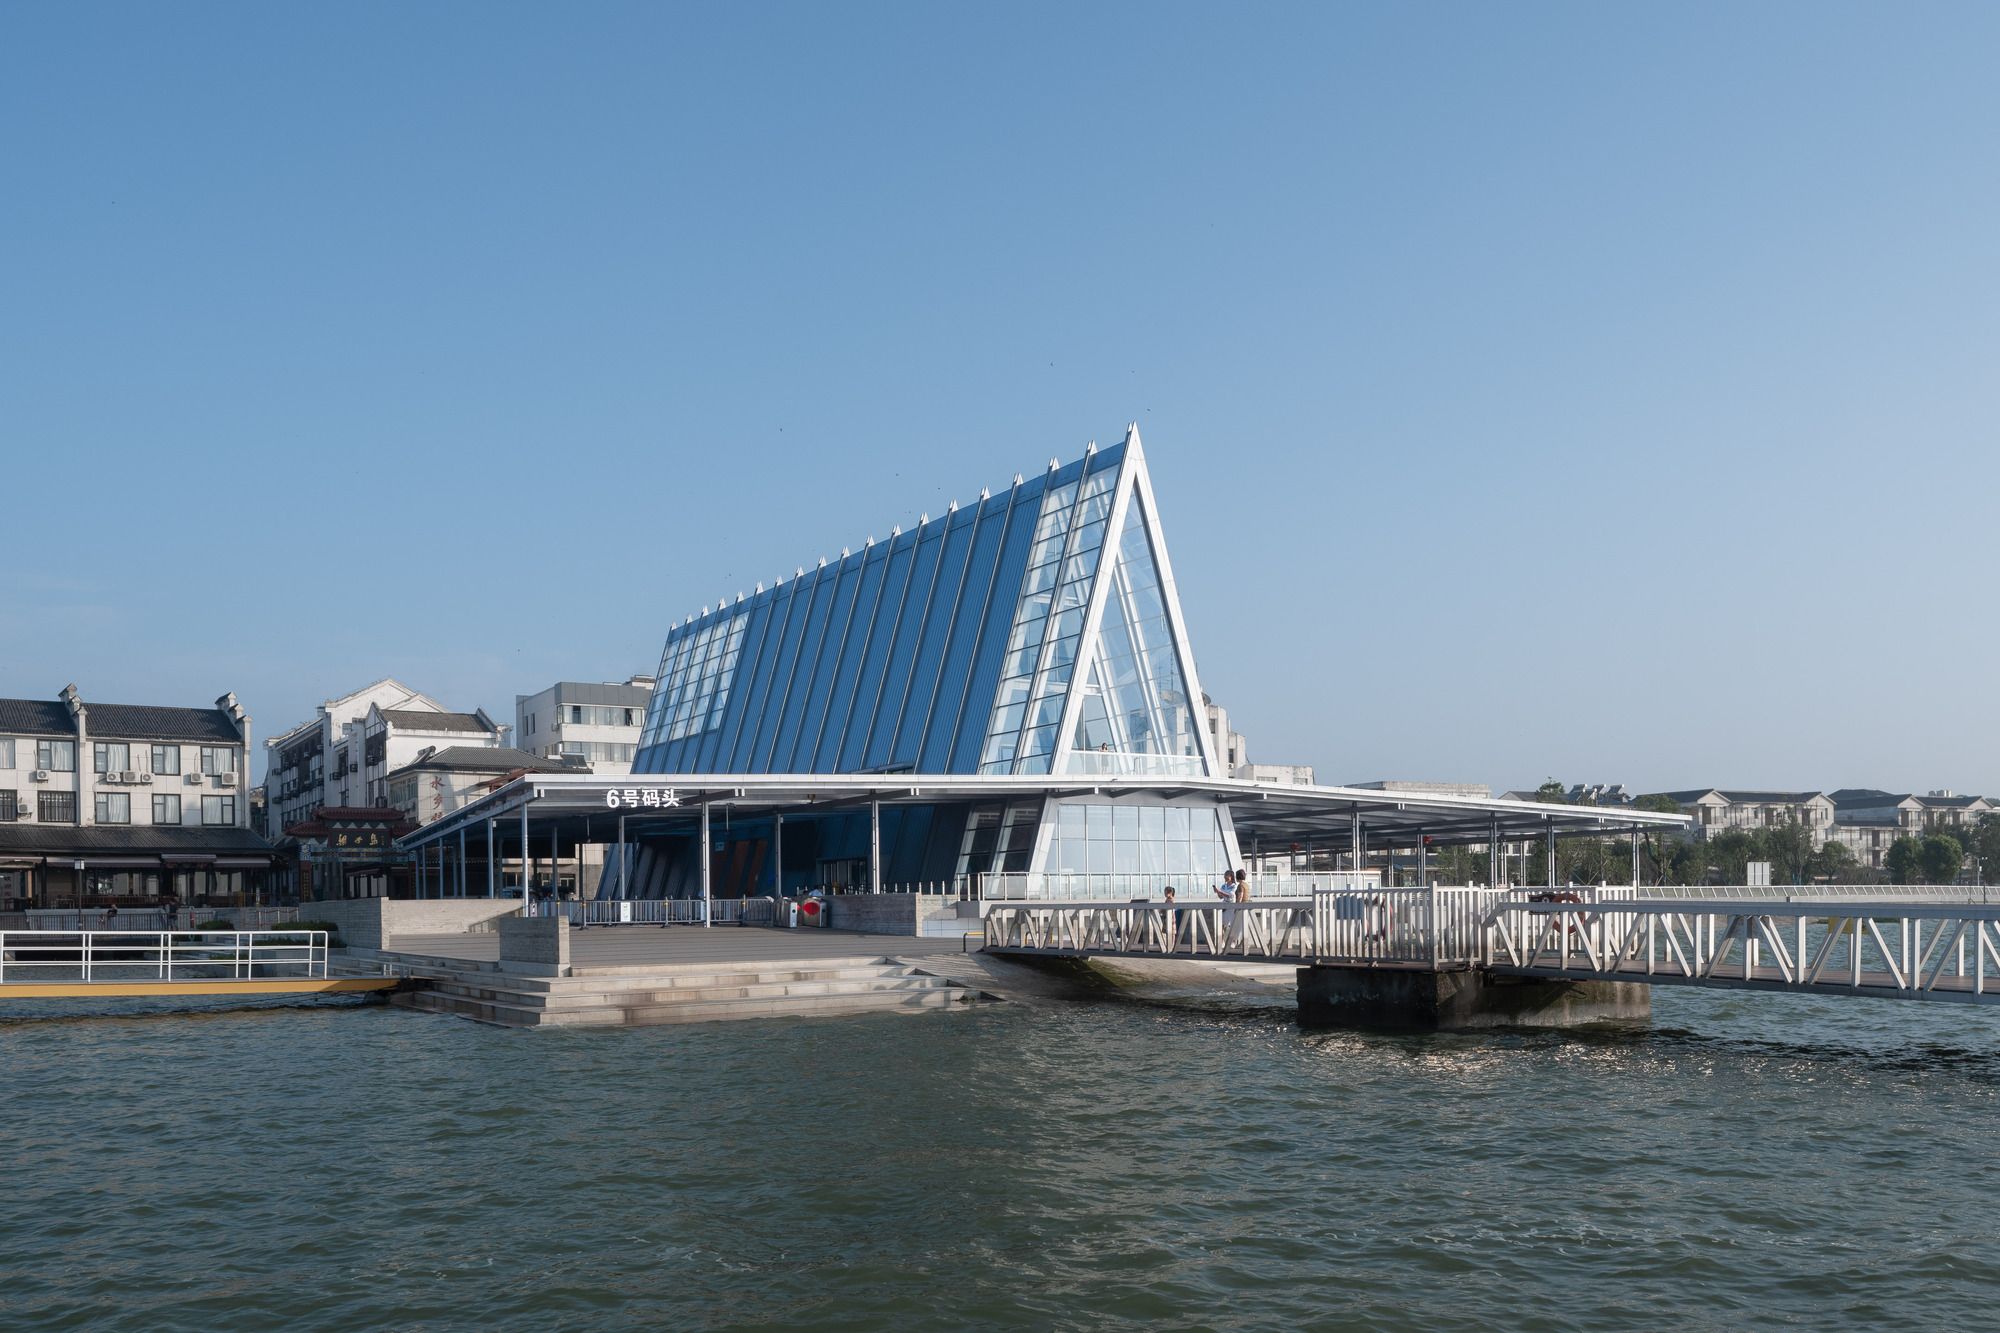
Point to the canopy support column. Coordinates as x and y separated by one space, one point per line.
875 847
1493 853
1551 858
707 889
492 888
778 857
624 862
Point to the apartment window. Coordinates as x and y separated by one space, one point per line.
113 807
6 751
218 809
218 759
110 757
55 807
10 806
575 713
57 757
166 809
167 759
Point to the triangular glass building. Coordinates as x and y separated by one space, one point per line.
1036 632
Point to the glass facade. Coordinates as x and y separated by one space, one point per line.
1031 633
1048 627
1135 714
1167 841
889 659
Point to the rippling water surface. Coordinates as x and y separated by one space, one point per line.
1793 1161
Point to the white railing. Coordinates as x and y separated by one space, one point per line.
1057 886
661 911
1277 931
1417 927
1903 947
1805 893
158 955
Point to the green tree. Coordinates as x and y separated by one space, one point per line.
1552 793
1660 845
1834 864
1982 844
1788 847
1903 860
1940 857
1688 863
1731 853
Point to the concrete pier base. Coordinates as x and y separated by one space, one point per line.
1400 1000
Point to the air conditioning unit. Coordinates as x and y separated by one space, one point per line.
128 776
145 779
24 812
39 775
225 779
192 779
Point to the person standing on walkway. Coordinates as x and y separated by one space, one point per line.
1173 919
1241 895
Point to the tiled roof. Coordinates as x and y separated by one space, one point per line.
143 722
409 719
482 759
36 717
133 839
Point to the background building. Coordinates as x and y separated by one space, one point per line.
340 760
438 782
1718 810
598 723
104 803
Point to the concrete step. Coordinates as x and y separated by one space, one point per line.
745 989
560 987
682 1010
809 1006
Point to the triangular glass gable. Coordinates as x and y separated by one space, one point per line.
1135 711
1042 648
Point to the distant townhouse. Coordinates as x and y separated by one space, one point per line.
1868 821
104 804
597 723
1717 810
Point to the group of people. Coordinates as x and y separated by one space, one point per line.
1234 890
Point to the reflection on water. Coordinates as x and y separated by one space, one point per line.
1206 1164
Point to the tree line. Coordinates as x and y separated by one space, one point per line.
1669 856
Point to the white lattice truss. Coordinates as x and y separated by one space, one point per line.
1913 945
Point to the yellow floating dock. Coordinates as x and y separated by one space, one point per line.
63 990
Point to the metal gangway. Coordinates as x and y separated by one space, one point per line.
51 964
1922 942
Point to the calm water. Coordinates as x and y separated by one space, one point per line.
1803 1162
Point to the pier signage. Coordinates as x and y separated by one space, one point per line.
649 798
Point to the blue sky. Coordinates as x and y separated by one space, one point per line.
1604 391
